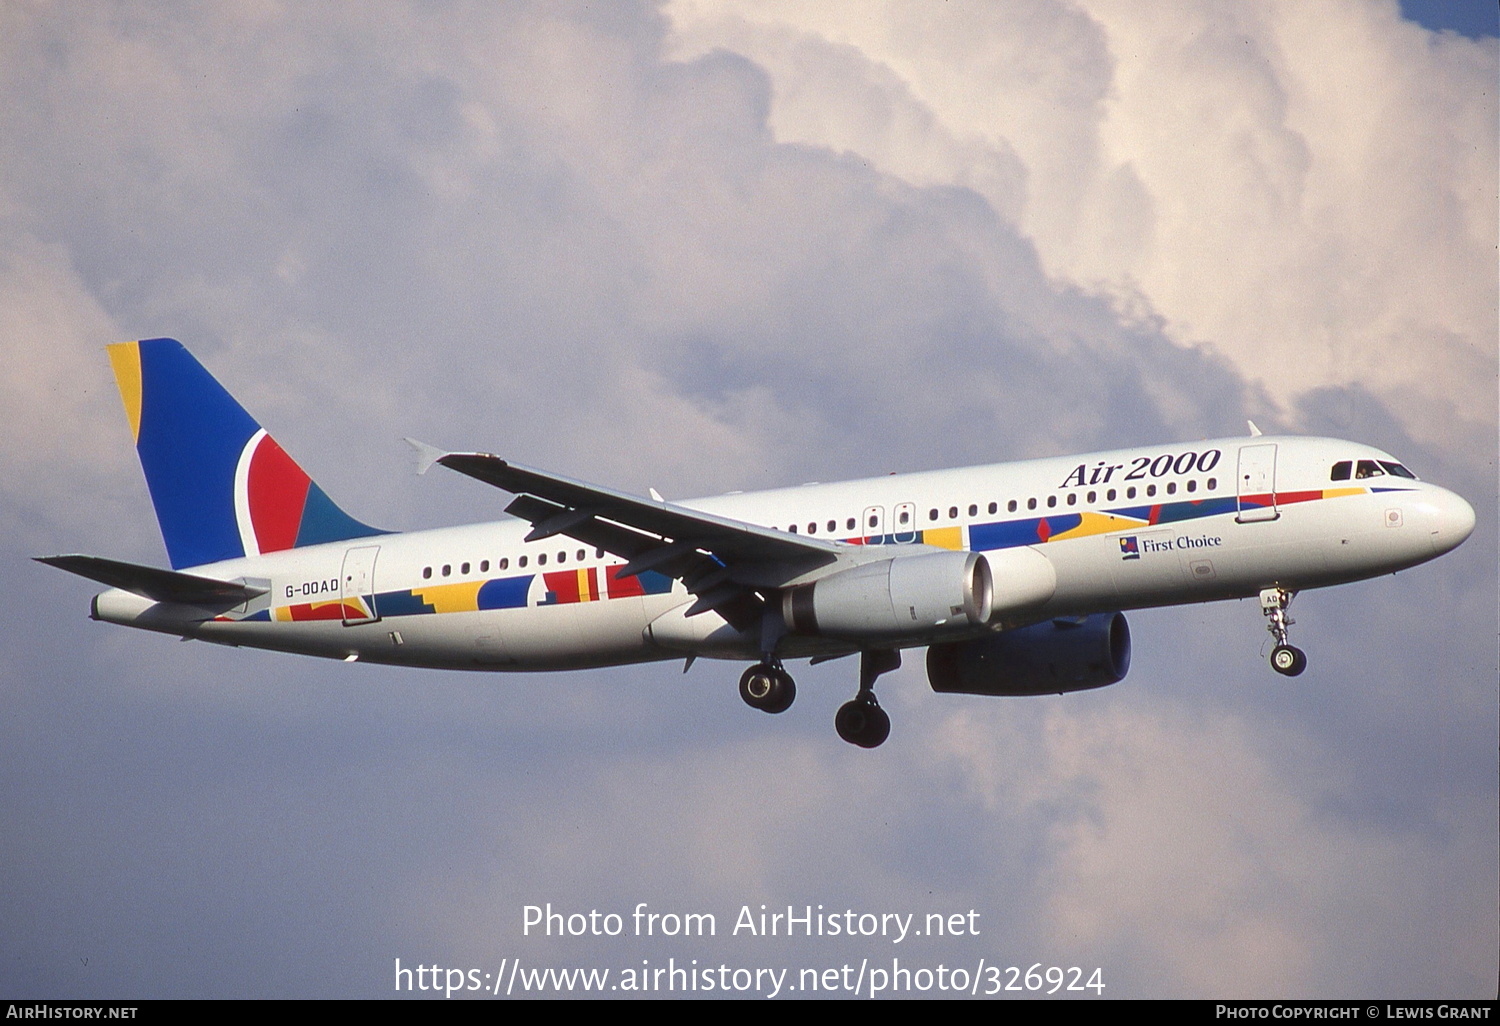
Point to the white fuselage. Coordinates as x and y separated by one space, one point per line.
1155 526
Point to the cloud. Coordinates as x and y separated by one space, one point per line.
1306 188
709 247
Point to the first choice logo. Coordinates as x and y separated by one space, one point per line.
1131 546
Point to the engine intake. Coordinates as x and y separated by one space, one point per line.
1047 658
909 596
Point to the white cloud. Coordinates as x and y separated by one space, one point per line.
1308 188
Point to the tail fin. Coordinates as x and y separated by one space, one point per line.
222 487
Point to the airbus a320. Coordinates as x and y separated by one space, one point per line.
1013 576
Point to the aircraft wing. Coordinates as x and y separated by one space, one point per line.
721 560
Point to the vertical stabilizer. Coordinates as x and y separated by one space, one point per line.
222 487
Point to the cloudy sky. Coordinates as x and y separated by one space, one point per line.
714 244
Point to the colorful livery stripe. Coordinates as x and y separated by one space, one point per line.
561 587
1006 534
345 609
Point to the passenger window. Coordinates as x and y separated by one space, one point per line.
484 566
1213 483
1011 506
874 520
1072 498
994 507
833 525
1192 486
1093 497
447 569
562 557
464 568
426 573
541 559
504 562
1341 470
1130 492
1109 496
1171 487
932 514
792 528
522 561
1031 504
581 555
1150 490
952 512
1051 502
973 510
905 518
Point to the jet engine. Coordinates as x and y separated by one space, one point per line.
909 596
1072 654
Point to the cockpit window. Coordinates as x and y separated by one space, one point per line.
1341 470
1368 468
1397 469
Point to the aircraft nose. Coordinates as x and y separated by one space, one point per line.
1452 521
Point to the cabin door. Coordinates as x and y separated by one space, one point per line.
1257 483
357 582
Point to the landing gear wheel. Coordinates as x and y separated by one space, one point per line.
862 722
1288 660
768 688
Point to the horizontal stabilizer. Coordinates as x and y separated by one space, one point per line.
156 584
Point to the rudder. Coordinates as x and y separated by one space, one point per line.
221 486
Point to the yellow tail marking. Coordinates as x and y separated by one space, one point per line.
125 357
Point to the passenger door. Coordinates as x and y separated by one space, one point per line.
1257 483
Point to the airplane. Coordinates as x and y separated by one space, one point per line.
1014 576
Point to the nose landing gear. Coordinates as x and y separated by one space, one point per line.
1286 659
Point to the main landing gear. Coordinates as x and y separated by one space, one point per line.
860 721
1286 659
768 687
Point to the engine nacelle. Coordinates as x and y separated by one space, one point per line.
1046 658
909 596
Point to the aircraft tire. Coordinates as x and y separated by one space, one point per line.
863 723
768 688
1288 660
788 689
